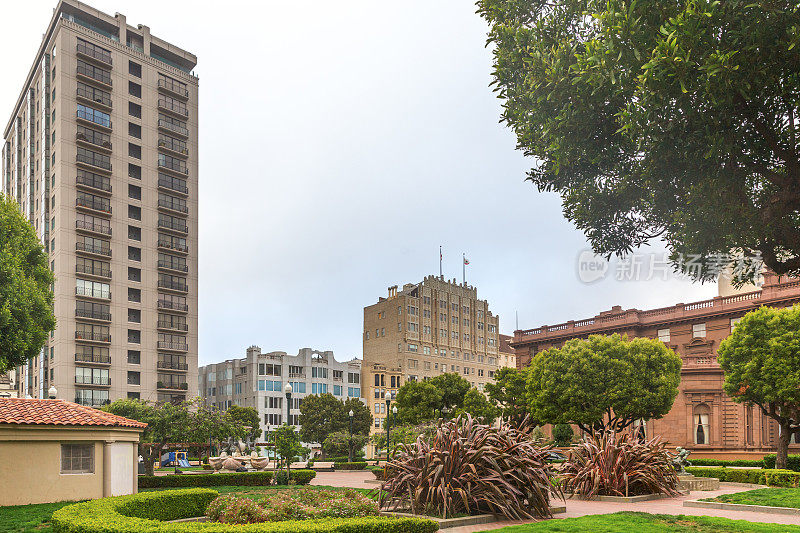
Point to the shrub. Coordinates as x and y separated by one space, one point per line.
232 510
248 479
562 434
145 513
792 462
301 504
299 477
358 456
772 477
727 462
361 465
608 465
467 467
376 471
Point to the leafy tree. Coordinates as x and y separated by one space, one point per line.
287 445
562 434
26 298
476 404
247 416
417 402
761 361
508 391
339 442
190 421
210 424
452 388
603 382
362 418
653 119
403 434
320 415
166 422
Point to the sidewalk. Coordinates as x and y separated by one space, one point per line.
673 506
576 508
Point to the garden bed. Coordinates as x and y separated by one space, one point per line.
769 500
621 499
155 512
459 521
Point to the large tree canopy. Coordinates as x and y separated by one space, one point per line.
417 402
761 361
476 404
321 415
248 417
604 382
650 118
452 388
26 299
190 421
508 391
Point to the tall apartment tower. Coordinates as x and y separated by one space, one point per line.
424 330
101 154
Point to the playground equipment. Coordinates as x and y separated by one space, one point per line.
173 458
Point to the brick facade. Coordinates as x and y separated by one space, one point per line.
694 331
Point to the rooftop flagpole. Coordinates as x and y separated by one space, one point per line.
440 261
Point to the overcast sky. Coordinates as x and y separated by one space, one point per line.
341 143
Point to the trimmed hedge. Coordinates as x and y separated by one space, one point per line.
358 456
248 479
759 463
300 477
147 512
377 471
772 477
792 462
355 465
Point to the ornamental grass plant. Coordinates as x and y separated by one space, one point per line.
470 468
605 464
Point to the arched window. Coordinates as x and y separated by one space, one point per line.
702 430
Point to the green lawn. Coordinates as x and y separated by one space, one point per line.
774 497
28 518
648 523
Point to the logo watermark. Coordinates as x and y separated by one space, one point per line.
640 266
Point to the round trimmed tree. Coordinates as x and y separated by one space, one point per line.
603 383
761 361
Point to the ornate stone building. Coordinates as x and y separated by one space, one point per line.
703 418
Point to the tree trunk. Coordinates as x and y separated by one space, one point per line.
147 457
783 445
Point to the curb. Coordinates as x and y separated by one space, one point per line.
742 507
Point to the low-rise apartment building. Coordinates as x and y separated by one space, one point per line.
258 381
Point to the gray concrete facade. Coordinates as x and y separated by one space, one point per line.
258 381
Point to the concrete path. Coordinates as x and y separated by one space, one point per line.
576 508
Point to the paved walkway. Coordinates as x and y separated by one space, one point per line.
575 508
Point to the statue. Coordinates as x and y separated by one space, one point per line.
680 461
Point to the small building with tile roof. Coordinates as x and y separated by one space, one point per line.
55 450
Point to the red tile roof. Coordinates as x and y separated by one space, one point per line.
59 413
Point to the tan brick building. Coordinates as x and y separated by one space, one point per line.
100 153
703 418
422 331
507 358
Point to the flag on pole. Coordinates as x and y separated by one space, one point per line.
466 261
440 261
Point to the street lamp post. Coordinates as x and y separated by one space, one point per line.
350 438
389 398
288 390
394 416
